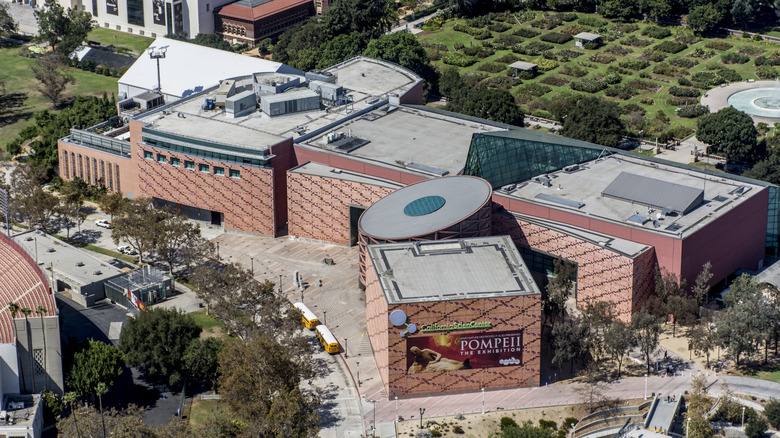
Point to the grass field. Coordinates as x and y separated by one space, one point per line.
771 374
23 98
201 411
206 322
106 37
657 77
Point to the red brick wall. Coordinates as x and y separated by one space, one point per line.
124 167
602 274
247 204
319 206
505 314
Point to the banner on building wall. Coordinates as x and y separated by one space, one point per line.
158 12
112 7
452 352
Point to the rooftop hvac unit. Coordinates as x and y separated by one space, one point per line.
571 168
509 187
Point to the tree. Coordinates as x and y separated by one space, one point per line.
619 9
746 321
51 73
559 287
201 359
211 40
261 384
111 204
570 341
70 208
172 232
71 398
63 30
756 428
7 24
128 422
729 132
28 199
368 17
618 339
656 9
14 309
699 404
701 341
647 329
683 311
701 286
95 363
772 412
137 224
155 342
741 12
594 120
704 18
527 430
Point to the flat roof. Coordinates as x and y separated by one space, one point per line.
654 193
65 259
323 170
425 207
587 36
521 65
584 186
366 80
481 267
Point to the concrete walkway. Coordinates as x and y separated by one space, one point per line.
717 98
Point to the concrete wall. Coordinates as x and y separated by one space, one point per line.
39 339
9 369
318 207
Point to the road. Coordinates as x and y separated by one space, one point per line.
24 16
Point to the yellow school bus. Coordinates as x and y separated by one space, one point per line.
327 339
309 319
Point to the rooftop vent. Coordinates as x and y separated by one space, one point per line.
559 200
430 170
509 187
637 219
572 168
543 180
740 190
79 264
97 273
720 198
29 239
50 250
673 227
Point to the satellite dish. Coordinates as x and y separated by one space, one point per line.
411 328
658 215
397 317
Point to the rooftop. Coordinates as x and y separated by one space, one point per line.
139 279
587 36
318 169
579 190
520 65
425 207
19 410
255 9
484 267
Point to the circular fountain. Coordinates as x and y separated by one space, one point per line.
759 99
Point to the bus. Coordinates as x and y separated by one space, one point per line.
327 339
309 319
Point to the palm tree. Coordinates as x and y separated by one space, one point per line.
27 313
71 398
40 311
14 309
100 390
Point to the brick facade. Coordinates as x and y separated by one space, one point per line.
602 274
505 314
116 173
318 207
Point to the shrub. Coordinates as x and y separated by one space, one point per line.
772 412
612 78
535 48
501 82
507 40
684 82
533 90
555 37
549 22
756 428
654 55
573 70
766 72
457 430
508 58
686 36
480 21
752 51
14 147
656 32
642 84
619 50
621 91
647 101
773 60
479 34
684 62
458 46
548 424
627 28
693 111
526 32
634 64
587 20
701 53
507 422
567 16
570 54
671 47
615 69
734 58
729 75
718 45
554 81
636 42
499 27
29 132
705 79
664 69
478 51
574 29
491 67
543 64
435 433
459 59
589 85
433 24
601 58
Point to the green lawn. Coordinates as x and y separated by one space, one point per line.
771 373
23 99
98 249
205 321
201 411
652 100
106 37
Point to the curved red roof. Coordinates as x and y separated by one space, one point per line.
22 282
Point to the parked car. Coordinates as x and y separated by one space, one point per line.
103 223
127 250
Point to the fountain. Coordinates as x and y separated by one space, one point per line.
762 102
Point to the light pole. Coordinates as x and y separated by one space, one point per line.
373 426
36 250
346 349
687 426
157 53
645 386
422 411
217 251
358 372
325 317
252 261
743 417
396 409
483 400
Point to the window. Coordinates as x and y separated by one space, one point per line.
234 173
219 171
135 12
208 7
203 168
161 158
189 165
148 155
175 162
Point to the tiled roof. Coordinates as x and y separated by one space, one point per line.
23 283
242 10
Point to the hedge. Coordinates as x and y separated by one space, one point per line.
734 58
459 59
718 45
671 47
555 37
634 64
692 111
636 42
674 90
526 32
656 32
589 85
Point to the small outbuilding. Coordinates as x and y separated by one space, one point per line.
524 67
583 38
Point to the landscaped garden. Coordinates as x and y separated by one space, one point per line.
657 74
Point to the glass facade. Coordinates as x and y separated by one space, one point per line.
773 222
135 12
509 157
189 146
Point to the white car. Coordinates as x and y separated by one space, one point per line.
127 250
103 223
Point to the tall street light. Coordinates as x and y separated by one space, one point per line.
252 260
645 386
157 53
422 411
483 400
